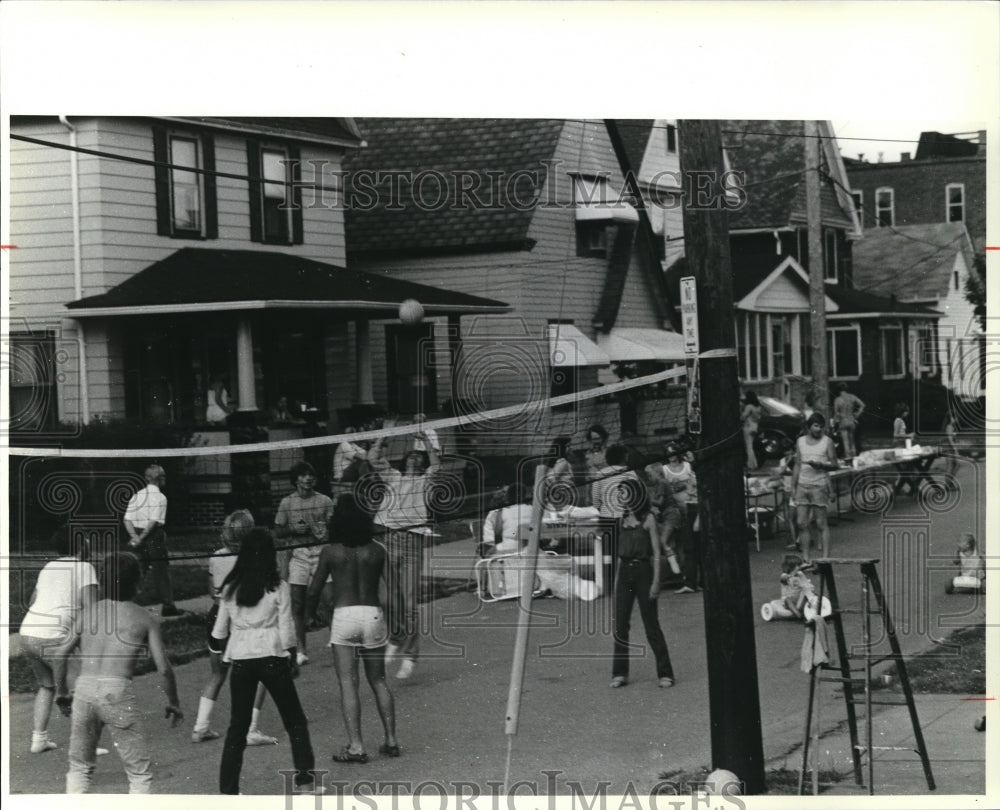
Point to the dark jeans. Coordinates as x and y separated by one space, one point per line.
635 577
691 551
156 563
275 673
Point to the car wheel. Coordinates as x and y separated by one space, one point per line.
771 444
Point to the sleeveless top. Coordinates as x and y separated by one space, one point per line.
808 476
635 543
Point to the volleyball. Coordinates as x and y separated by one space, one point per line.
723 782
411 311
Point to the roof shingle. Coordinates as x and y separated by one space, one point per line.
494 159
912 262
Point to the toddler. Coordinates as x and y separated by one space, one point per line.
968 558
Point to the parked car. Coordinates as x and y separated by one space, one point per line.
780 424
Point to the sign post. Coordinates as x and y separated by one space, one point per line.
689 328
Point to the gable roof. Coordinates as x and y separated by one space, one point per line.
634 134
466 152
209 280
772 155
849 303
912 262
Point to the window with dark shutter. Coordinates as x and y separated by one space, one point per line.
275 204
185 190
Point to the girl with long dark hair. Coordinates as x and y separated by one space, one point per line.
255 614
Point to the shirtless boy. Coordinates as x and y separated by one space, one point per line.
358 629
115 634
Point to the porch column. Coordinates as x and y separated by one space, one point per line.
363 350
245 387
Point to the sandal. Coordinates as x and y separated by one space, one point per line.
347 755
389 750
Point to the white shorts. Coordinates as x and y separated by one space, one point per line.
359 626
300 570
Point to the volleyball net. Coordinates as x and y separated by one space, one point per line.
86 482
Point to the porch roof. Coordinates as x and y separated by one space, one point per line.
210 280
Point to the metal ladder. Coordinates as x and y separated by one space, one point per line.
871 589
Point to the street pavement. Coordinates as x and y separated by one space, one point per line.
572 732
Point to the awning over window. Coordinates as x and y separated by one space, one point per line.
568 346
608 211
630 344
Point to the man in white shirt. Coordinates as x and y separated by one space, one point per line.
402 515
145 516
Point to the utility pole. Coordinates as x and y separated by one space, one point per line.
817 273
734 702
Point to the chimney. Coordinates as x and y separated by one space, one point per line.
880 157
861 155
982 137
904 155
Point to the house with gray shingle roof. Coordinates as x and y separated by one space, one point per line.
870 337
929 265
528 211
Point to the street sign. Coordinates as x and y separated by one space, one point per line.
689 316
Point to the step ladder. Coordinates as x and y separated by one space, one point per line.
853 684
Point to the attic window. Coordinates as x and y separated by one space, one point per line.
671 138
592 238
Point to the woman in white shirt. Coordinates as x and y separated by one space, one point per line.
65 587
255 614
234 529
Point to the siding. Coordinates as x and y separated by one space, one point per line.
506 357
118 233
958 322
782 296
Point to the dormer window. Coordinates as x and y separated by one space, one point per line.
185 185
596 209
275 204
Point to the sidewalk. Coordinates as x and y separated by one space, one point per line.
955 749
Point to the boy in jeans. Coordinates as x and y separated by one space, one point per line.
115 634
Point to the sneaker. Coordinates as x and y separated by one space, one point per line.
406 669
41 746
618 681
204 735
258 737
666 683
301 659
684 589
102 752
